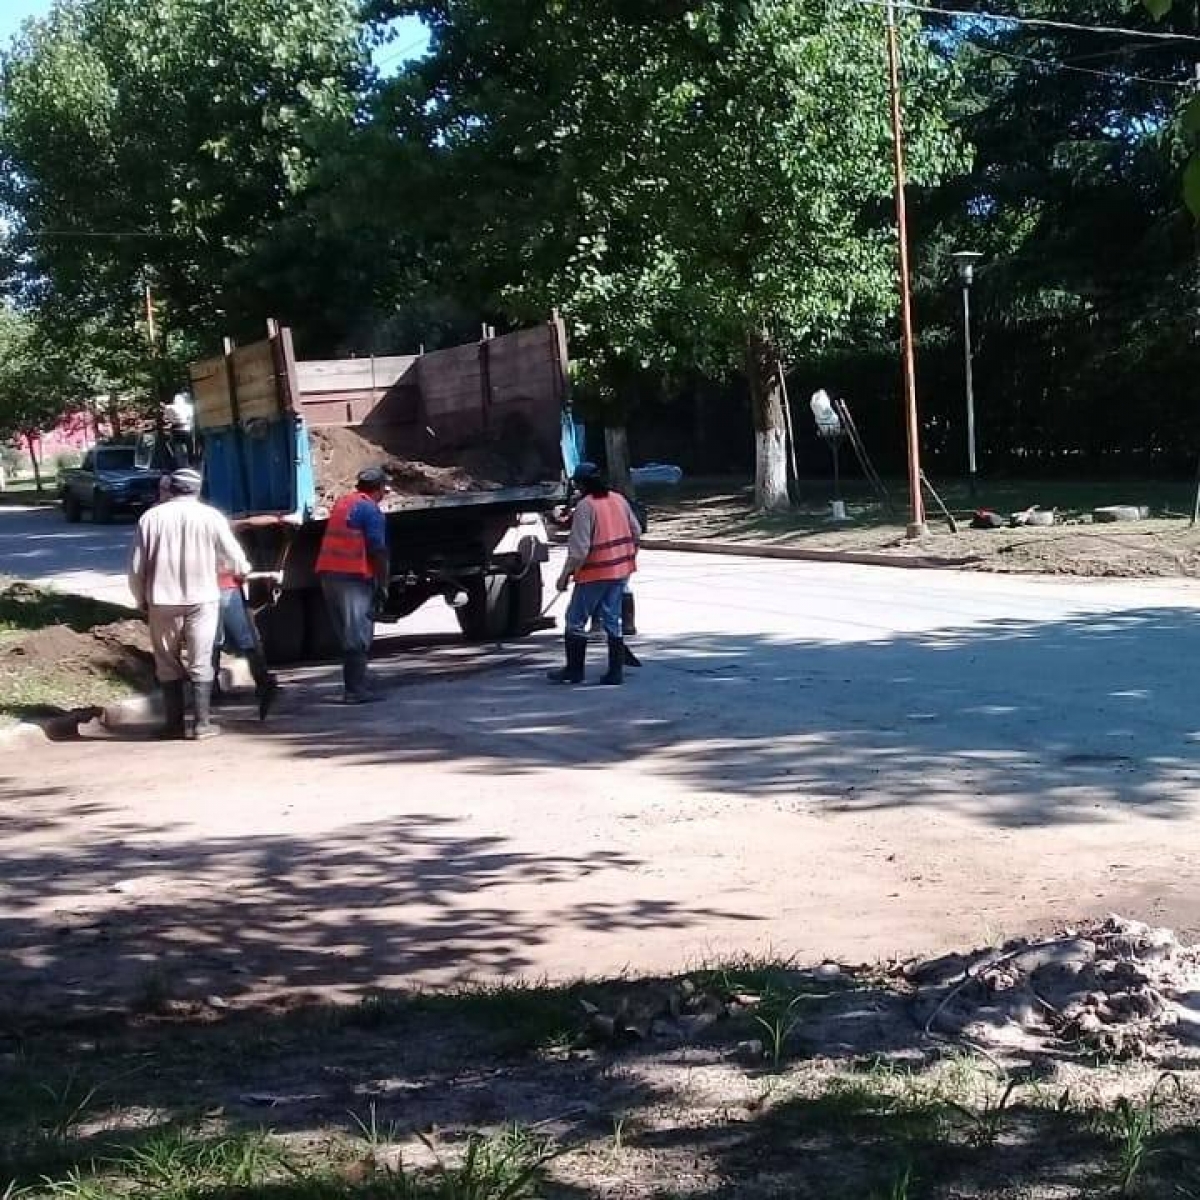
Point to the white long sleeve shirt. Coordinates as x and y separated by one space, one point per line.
176 552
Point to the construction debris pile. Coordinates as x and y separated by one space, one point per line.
339 454
1121 989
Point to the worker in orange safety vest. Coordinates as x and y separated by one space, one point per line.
601 556
353 569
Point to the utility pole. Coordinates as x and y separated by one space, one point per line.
916 523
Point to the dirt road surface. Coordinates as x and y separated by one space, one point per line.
829 761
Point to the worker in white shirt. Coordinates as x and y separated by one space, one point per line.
173 578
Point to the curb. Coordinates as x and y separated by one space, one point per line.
860 558
137 712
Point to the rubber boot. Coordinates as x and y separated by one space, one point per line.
575 645
354 677
266 686
202 725
628 615
172 694
616 663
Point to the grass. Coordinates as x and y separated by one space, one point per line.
43 685
451 1097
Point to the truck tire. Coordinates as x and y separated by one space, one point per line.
72 509
281 627
488 614
527 601
102 509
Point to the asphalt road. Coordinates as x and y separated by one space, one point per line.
821 760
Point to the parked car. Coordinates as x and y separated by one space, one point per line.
109 481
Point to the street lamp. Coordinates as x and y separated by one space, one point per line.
965 261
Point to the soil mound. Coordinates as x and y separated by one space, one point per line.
339 454
120 650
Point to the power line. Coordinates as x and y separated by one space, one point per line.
1034 22
402 52
92 233
1120 76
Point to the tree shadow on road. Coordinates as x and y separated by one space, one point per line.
1011 723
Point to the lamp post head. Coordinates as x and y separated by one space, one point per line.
965 261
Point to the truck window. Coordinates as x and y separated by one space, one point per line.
115 458
89 461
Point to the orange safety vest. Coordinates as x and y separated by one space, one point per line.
344 550
613 553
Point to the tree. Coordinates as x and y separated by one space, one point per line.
698 183
167 142
37 387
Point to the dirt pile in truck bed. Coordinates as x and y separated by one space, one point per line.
339 454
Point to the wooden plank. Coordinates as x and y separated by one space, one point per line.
210 394
354 374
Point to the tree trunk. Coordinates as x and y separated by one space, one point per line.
616 453
765 374
31 442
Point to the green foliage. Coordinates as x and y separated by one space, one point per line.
165 141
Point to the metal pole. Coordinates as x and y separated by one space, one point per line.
968 356
916 525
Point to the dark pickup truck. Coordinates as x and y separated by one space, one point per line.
108 482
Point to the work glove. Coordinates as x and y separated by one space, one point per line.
564 582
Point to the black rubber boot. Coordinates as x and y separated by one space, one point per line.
266 686
202 724
575 645
354 676
172 694
628 615
616 663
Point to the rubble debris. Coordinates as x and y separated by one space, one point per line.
1121 989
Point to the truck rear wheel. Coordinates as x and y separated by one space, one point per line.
500 606
72 509
487 615
527 601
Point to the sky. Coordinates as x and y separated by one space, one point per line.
409 39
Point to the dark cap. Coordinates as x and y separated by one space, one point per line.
586 472
371 478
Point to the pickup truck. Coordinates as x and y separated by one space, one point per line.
109 481
472 436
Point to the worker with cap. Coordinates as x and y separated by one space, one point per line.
353 569
601 556
173 577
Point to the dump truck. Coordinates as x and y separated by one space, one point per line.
471 438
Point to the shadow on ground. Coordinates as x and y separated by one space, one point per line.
1013 723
